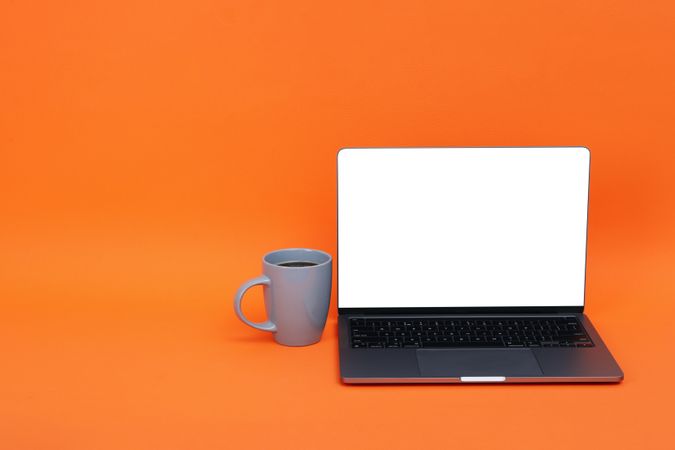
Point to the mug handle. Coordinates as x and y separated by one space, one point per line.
267 325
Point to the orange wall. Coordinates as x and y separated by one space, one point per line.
150 152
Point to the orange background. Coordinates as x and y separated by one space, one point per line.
151 152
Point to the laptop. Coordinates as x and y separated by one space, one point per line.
465 265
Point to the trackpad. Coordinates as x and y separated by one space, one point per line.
477 362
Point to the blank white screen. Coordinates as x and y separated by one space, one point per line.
462 227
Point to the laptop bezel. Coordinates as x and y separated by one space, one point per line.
450 310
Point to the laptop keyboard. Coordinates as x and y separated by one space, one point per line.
468 332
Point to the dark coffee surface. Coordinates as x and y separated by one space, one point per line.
296 264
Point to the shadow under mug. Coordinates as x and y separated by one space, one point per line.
297 296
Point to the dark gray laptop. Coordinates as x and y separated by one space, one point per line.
465 265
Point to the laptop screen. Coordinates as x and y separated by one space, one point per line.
462 227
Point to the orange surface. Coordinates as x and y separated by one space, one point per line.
151 152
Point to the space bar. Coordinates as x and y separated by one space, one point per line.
459 344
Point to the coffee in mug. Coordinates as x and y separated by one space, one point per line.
296 264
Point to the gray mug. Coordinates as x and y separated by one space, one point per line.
296 284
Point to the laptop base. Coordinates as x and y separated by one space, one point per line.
476 365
